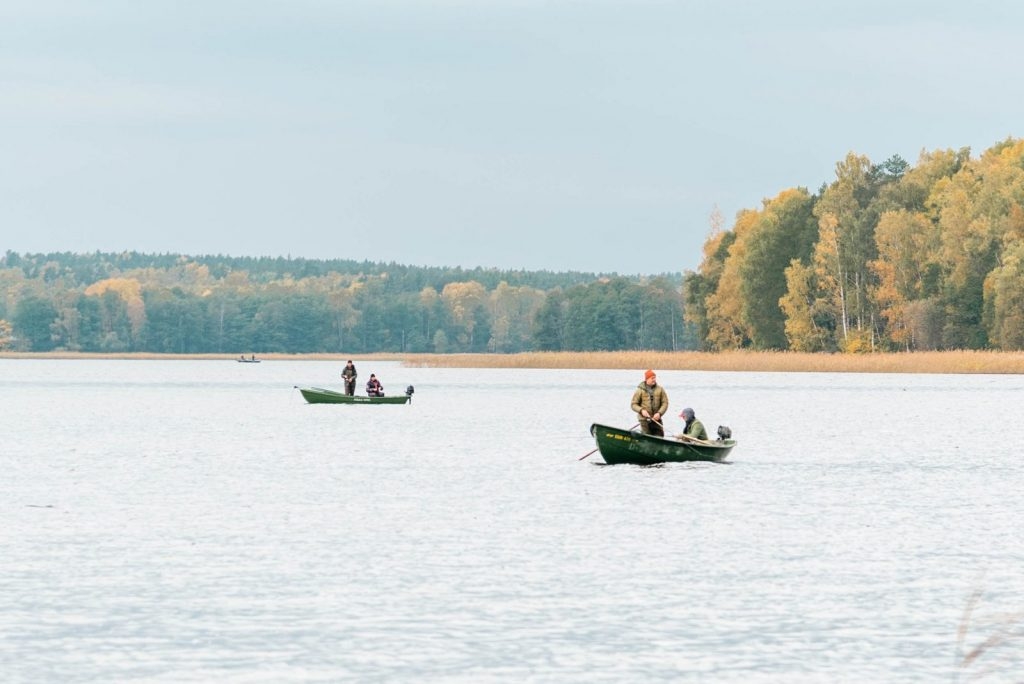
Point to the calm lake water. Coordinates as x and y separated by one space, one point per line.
197 521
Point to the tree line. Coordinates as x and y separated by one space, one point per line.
169 303
886 257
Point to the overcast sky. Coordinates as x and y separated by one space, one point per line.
561 135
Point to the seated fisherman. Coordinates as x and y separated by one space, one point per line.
694 428
373 387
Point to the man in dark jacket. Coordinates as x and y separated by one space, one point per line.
650 401
349 375
373 387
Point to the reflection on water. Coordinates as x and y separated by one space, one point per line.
196 520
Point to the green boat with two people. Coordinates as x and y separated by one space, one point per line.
319 395
618 445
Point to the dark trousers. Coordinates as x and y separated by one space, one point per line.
649 427
350 387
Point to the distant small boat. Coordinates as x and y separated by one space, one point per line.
625 446
319 395
242 359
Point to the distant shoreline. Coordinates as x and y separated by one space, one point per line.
945 362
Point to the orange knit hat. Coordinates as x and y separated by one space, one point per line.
648 374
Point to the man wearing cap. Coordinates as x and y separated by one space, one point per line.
694 428
650 401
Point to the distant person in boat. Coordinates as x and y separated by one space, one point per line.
650 401
349 375
694 428
373 387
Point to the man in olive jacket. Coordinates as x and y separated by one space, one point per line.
694 428
650 401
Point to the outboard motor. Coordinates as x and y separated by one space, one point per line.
724 433
408 392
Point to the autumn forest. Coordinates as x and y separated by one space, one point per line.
130 302
884 257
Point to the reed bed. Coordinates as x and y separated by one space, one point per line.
980 362
741 361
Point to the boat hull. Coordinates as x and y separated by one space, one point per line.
624 446
318 395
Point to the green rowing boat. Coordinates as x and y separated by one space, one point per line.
318 395
625 446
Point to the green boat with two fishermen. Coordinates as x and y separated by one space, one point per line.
319 395
618 445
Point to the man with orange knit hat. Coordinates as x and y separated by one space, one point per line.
650 401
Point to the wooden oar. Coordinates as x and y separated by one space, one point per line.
593 450
659 424
687 438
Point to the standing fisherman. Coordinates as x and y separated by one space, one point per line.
650 401
349 375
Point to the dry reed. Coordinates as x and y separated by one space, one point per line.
792 362
1000 648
